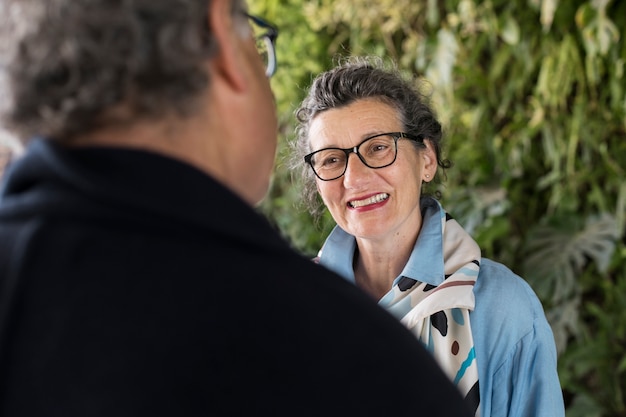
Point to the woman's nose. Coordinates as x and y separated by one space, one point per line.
356 171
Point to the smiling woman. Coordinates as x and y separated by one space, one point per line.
372 198
407 252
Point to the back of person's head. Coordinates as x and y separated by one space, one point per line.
71 66
361 78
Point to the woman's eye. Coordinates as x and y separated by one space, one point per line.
378 147
331 161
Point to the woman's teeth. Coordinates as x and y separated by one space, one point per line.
371 200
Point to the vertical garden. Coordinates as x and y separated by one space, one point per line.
532 97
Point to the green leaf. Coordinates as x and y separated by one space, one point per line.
510 31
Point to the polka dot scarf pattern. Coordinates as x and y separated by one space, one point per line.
439 315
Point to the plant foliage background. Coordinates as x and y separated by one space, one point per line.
532 96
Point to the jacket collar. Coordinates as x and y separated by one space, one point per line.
126 183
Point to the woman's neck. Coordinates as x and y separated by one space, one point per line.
377 263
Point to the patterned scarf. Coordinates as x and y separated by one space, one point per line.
439 316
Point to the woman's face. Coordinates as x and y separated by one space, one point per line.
372 203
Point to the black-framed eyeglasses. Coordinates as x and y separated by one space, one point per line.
376 151
265 34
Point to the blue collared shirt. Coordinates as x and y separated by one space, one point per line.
515 347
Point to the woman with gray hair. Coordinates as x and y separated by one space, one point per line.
367 142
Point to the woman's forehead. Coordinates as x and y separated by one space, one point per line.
348 125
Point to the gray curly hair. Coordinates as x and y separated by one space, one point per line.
65 65
353 79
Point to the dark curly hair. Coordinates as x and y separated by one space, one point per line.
65 65
358 78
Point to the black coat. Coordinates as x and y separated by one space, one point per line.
134 285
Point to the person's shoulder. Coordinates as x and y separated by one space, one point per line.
498 277
506 294
304 272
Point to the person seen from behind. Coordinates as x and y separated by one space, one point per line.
136 277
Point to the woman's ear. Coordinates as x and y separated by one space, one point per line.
430 161
228 60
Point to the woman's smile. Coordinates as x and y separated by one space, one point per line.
368 201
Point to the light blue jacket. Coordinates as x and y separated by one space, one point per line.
515 347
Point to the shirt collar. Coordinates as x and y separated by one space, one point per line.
425 263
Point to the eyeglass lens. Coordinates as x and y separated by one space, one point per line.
263 34
264 44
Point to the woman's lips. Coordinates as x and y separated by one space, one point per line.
377 198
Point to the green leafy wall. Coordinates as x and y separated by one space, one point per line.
532 97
